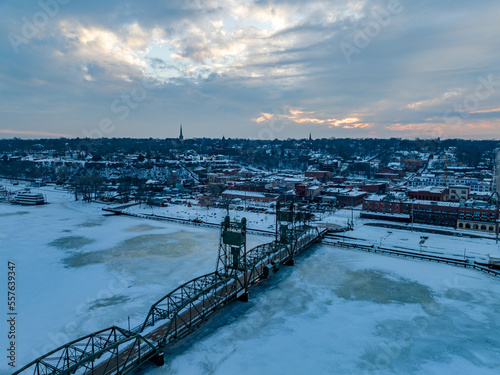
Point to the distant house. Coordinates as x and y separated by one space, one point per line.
413 165
313 191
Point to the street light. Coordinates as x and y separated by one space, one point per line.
412 202
383 238
422 241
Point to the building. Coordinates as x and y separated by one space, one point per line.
432 212
338 179
387 175
413 165
391 171
352 198
478 216
313 191
459 192
251 196
379 188
473 215
250 186
432 180
319 175
308 191
429 193
383 203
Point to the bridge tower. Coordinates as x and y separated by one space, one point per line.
285 227
233 252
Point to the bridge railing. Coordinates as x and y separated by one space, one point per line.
198 309
111 348
167 306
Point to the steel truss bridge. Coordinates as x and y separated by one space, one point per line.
118 351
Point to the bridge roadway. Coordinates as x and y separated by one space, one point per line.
193 304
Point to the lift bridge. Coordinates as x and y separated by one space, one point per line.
116 350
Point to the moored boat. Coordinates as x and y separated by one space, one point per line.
28 198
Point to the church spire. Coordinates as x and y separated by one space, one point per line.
181 137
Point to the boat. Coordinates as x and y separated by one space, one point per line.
28 198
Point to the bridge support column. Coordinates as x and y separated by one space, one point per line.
290 262
243 297
162 343
158 359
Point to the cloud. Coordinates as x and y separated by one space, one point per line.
220 62
445 98
299 116
35 133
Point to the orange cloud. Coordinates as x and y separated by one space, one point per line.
301 117
487 111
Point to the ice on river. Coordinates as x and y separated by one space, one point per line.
344 312
79 271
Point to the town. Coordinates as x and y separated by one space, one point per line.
450 184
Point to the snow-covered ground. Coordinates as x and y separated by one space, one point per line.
345 312
255 220
474 248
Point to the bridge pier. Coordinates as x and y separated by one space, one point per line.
158 359
243 297
290 262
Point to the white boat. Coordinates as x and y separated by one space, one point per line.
28 198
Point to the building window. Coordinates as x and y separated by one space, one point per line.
491 228
483 227
461 225
467 226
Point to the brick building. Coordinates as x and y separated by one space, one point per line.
375 188
352 198
253 187
430 193
319 175
433 213
484 219
472 215
383 203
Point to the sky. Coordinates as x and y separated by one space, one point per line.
253 69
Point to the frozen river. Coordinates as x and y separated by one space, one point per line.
345 312
79 271
335 312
